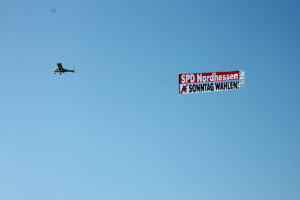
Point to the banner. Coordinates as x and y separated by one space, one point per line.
211 82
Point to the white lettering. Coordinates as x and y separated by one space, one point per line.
183 78
199 77
192 78
187 78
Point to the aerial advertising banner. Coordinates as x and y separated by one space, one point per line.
211 82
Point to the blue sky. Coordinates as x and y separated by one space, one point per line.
117 128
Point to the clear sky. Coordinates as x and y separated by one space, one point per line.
117 128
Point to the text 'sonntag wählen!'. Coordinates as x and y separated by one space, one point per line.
211 81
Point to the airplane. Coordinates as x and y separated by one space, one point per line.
60 69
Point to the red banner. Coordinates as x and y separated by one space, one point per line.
208 77
211 81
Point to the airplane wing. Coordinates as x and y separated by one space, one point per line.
60 67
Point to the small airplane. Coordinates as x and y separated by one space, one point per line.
60 69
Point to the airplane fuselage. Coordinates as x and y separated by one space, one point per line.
60 71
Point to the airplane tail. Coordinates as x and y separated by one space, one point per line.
73 69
